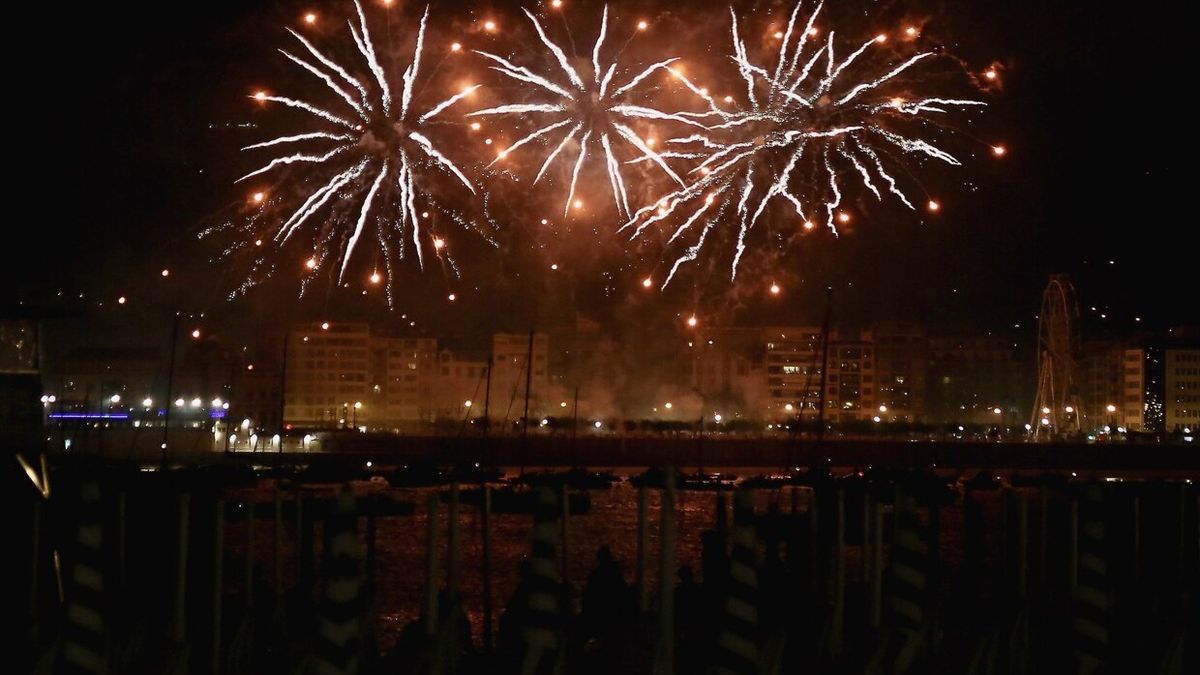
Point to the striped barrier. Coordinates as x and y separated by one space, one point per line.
541 633
737 646
910 582
339 623
85 636
1092 620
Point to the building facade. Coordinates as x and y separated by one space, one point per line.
792 370
510 359
461 387
1181 399
901 365
327 377
850 394
1112 386
969 378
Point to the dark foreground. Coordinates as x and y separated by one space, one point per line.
884 571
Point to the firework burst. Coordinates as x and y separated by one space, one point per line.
368 168
583 105
813 127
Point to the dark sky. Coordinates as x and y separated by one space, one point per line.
118 165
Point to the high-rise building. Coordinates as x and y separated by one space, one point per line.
510 358
1181 399
901 362
328 371
1112 385
404 375
461 387
850 384
792 371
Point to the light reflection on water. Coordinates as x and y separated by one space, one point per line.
612 522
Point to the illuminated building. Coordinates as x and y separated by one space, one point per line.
510 354
327 371
460 380
793 371
1181 398
1112 379
850 384
404 375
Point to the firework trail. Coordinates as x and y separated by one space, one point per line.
812 125
584 104
369 165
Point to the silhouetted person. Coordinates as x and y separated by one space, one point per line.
692 623
714 562
606 597
514 615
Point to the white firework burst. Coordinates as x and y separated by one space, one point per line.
811 124
370 164
588 108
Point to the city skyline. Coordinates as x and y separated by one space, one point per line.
400 380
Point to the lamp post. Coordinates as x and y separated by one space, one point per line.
170 383
357 407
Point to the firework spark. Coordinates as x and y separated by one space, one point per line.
814 125
370 164
587 108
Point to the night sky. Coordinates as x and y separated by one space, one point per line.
118 118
